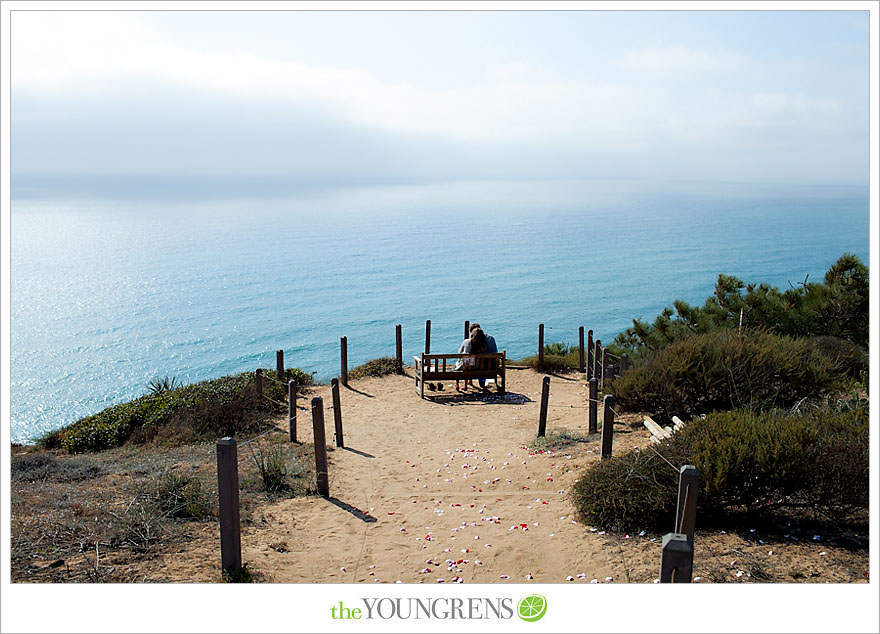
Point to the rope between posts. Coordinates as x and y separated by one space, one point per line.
272 400
674 468
273 379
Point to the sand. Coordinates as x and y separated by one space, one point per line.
446 490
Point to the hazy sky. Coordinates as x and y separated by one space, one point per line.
714 95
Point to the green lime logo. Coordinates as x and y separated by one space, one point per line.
532 607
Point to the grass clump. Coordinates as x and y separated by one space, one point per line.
375 367
558 357
280 468
752 462
38 467
725 370
558 439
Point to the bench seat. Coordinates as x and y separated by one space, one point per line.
438 367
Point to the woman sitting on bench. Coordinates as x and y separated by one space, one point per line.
476 344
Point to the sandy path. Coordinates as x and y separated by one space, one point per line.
444 489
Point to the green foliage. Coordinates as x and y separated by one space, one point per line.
241 575
558 439
558 357
748 461
165 384
272 464
722 370
836 307
226 406
375 367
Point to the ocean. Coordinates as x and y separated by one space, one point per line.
110 290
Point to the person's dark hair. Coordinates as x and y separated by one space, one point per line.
474 326
478 341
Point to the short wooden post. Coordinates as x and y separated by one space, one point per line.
343 353
624 363
597 359
227 491
581 349
279 365
399 337
467 329
323 479
545 401
607 425
594 405
590 354
428 336
686 509
604 366
291 411
676 559
337 411
259 382
540 347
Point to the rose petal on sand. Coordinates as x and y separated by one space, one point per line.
569 578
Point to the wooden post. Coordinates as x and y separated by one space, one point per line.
323 480
607 425
399 336
604 366
337 411
540 347
343 345
259 382
581 349
545 401
467 329
589 354
597 358
594 405
676 559
279 365
291 411
624 363
428 336
227 492
686 509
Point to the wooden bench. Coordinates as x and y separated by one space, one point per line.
437 367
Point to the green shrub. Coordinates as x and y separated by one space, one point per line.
559 439
748 461
724 370
226 406
375 367
183 496
558 357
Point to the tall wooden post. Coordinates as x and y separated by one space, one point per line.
428 336
467 329
597 359
227 491
260 382
337 411
590 354
545 401
398 334
323 479
594 405
607 425
540 347
291 411
343 353
624 362
676 559
686 509
581 349
279 365
604 366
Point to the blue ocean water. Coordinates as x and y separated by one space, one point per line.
111 291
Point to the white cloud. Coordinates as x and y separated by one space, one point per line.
680 60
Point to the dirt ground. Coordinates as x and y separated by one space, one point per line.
440 490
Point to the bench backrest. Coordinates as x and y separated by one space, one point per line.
482 361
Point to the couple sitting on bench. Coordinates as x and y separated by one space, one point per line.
478 343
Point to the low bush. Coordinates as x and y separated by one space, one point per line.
559 439
35 467
226 406
183 496
724 370
375 367
558 357
752 462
